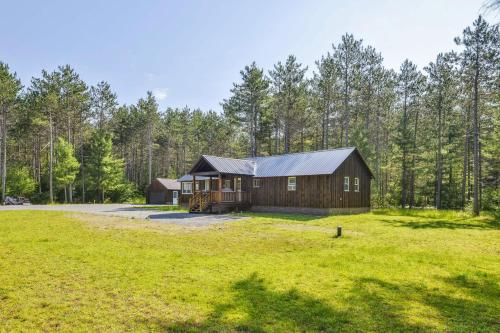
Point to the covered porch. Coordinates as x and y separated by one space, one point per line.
218 191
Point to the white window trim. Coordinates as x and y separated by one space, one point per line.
292 186
346 178
256 182
356 184
184 190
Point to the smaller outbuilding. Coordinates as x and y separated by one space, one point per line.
163 191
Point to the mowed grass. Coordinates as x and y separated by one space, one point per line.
390 271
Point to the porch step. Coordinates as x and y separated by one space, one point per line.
197 209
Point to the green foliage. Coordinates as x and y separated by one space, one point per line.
102 103
247 108
20 182
289 87
105 171
67 166
126 192
137 200
10 86
415 128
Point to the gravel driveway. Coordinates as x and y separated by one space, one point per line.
131 211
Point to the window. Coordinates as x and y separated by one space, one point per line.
346 184
227 184
187 188
197 185
256 183
207 184
356 184
292 183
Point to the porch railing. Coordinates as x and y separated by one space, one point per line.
226 196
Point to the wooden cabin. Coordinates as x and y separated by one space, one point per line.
163 191
318 182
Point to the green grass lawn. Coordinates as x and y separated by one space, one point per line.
391 271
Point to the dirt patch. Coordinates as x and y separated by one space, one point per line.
113 222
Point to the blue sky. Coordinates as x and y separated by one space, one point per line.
190 52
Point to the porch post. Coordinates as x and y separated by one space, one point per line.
210 187
194 184
220 187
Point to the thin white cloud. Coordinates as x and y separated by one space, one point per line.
160 93
150 76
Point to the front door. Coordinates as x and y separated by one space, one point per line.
175 197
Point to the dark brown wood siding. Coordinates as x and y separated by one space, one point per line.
319 191
168 195
157 187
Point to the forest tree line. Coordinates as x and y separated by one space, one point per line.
430 135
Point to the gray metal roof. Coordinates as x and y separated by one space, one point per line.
231 165
171 184
189 178
321 162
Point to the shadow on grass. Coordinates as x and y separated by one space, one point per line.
372 305
382 305
478 311
445 224
422 212
256 308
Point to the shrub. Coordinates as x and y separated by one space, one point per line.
19 182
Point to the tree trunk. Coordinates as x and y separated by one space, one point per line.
465 166
150 152
405 147
439 167
326 129
414 152
253 134
377 155
346 104
51 160
4 153
38 165
276 135
286 132
412 185
82 165
476 139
